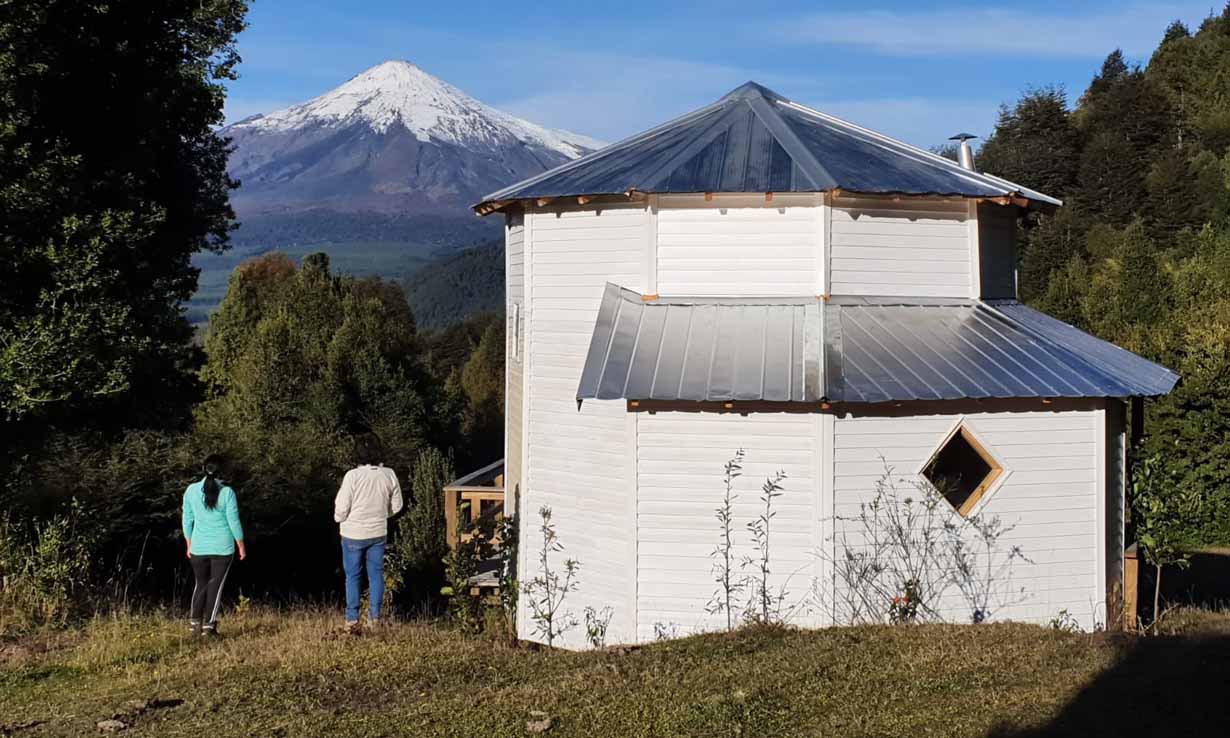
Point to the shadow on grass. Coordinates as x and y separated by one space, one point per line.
1205 583
1166 686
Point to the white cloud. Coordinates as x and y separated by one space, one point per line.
1134 27
614 96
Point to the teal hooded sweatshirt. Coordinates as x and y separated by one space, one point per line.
212 532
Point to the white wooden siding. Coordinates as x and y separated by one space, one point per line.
737 246
680 464
577 460
514 271
902 248
1051 496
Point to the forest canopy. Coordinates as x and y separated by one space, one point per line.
1140 253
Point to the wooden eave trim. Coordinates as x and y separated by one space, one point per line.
997 469
740 407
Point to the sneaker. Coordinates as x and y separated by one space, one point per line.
209 631
353 627
194 627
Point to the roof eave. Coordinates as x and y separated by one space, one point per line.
1045 205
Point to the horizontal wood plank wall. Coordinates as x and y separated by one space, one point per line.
737 246
577 457
1050 496
514 255
903 248
680 464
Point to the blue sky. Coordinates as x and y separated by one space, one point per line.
609 70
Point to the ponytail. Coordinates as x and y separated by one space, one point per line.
211 487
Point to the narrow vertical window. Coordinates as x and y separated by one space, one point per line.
515 330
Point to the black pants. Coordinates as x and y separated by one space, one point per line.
210 573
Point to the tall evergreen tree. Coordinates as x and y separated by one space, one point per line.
1035 143
1049 245
1114 70
1175 31
420 542
111 178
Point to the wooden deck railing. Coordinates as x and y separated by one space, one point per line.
479 502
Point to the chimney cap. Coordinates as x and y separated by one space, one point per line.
962 137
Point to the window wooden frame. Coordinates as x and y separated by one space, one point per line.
990 483
514 331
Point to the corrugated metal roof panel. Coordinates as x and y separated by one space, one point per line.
702 350
1146 377
874 350
754 140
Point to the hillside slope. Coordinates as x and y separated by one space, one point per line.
457 287
293 674
379 173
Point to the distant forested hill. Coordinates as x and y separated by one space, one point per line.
458 286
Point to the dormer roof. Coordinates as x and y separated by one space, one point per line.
857 350
755 140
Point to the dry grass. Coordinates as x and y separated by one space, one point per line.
291 674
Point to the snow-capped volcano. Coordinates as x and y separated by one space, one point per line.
400 92
393 139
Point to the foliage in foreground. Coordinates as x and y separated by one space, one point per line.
45 569
424 680
111 178
299 360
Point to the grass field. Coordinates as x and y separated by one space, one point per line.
293 674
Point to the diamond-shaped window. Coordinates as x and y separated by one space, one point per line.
963 470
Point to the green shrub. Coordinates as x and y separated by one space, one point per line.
414 569
45 571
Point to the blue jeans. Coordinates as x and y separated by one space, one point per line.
354 554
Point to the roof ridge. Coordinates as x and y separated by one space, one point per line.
752 88
892 144
790 141
608 150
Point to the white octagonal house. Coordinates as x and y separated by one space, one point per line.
758 275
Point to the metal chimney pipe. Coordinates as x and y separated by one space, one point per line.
965 155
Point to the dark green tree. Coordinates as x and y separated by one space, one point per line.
111 178
308 360
1035 143
1175 31
1049 244
482 379
420 543
1114 70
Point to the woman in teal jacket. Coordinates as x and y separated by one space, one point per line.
212 533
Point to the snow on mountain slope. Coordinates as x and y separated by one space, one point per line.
393 140
431 109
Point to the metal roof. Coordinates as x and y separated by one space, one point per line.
874 350
754 140
485 478
703 350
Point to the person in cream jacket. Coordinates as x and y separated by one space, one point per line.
370 494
